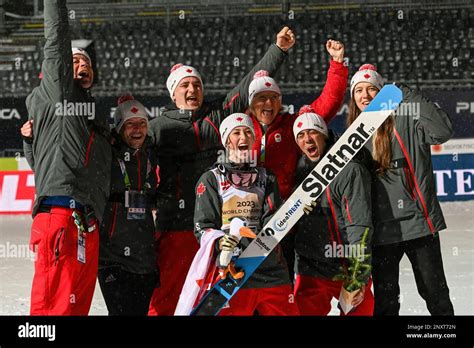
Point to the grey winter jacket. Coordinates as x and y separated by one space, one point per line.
404 199
129 244
70 151
342 214
208 215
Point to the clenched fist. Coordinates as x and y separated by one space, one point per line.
285 39
27 129
335 50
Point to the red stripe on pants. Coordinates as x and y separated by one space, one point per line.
61 284
277 301
313 296
176 250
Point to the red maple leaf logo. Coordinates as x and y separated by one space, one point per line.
134 109
239 119
201 189
189 71
299 124
366 76
225 185
268 84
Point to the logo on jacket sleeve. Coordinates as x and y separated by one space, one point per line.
200 189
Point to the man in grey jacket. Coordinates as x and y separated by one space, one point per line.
70 156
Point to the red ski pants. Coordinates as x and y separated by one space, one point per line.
277 301
62 285
176 250
313 296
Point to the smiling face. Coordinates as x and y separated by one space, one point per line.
312 143
188 94
266 106
134 132
83 70
239 144
364 92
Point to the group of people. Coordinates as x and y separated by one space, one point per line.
147 208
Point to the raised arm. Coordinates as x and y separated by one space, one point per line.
432 124
57 72
237 99
332 95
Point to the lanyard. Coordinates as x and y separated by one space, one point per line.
126 178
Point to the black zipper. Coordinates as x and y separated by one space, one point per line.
56 246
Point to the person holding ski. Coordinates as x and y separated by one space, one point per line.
274 140
338 219
127 260
235 190
70 156
187 141
406 211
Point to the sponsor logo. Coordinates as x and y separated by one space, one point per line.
465 106
8 114
262 244
280 225
337 158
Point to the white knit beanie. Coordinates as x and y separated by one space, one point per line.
308 119
367 73
128 108
262 82
234 121
179 72
78 50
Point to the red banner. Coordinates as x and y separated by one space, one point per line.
17 192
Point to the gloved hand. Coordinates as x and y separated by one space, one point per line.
228 242
309 208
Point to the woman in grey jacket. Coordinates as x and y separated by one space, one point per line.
406 211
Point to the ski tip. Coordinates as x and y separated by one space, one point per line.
389 97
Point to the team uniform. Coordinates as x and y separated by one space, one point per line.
275 145
71 158
342 214
187 144
407 214
127 260
268 291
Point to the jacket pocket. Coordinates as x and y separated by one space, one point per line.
58 245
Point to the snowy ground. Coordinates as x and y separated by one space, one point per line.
16 271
